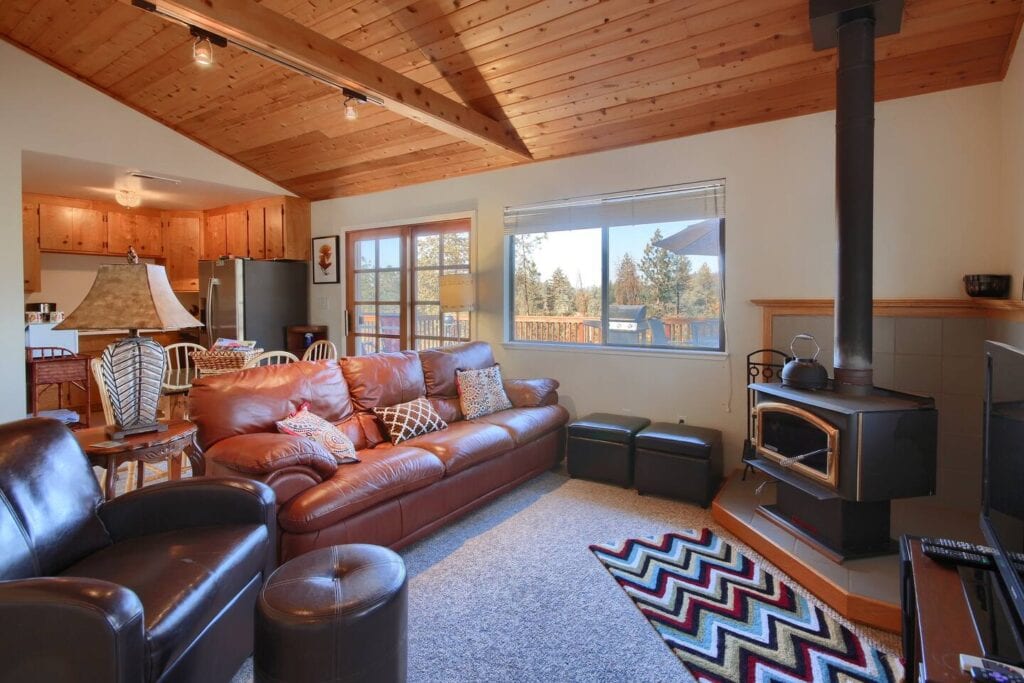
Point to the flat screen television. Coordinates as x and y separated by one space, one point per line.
1002 508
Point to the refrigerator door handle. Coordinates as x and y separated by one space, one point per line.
211 283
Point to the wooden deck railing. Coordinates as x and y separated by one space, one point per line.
679 331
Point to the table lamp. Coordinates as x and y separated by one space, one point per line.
137 297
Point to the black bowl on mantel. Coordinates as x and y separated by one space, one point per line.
989 286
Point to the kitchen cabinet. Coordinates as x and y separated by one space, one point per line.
215 242
144 231
71 228
237 233
182 237
256 232
286 228
56 227
30 247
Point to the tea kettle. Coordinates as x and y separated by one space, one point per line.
804 372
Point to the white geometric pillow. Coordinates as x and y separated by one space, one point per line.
481 391
406 420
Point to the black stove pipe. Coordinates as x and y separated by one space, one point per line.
855 159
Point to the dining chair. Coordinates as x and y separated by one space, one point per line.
178 374
271 358
321 350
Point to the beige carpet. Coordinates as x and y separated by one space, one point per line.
512 593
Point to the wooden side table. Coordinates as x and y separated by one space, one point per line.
141 448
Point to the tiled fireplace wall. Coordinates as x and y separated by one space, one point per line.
940 357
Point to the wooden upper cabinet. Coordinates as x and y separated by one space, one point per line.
215 242
237 233
88 230
182 236
273 217
149 235
120 232
56 227
30 247
297 230
257 235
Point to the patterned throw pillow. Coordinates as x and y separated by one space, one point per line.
481 392
312 426
406 420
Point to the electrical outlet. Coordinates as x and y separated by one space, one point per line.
681 419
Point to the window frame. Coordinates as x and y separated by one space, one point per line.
407 269
604 345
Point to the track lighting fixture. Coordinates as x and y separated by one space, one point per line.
202 51
202 48
350 110
352 98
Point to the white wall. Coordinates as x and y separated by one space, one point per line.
44 110
936 207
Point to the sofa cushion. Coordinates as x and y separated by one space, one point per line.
527 424
183 578
407 420
439 365
465 444
253 400
481 392
270 452
307 424
385 472
383 379
530 393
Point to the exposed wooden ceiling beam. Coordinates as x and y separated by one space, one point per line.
253 26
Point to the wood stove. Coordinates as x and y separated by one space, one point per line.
841 454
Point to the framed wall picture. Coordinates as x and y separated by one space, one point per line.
325 260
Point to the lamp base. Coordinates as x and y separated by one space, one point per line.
116 433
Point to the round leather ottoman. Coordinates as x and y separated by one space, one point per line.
335 614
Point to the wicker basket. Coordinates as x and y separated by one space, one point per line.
222 360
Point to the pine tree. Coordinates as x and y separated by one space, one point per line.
683 281
705 299
658 267
560 294
529 289
581 298
628 289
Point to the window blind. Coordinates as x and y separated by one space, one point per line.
689 202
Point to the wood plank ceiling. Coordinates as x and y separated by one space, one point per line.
570 76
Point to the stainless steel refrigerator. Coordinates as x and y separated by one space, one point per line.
255 300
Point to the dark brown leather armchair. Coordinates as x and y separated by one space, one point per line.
157 585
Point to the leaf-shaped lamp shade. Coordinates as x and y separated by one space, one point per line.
136 297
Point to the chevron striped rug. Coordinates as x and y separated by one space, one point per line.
728 619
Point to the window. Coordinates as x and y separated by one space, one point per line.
637 269
393 287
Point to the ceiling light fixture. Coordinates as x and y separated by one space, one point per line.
128 198
202 51
202 48
351 99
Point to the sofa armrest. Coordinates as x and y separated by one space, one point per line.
267 452
530 393
70 629
203 501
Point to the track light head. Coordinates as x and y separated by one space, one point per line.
202 51
351 113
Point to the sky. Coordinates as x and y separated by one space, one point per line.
578 252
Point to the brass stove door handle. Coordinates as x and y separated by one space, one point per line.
789 462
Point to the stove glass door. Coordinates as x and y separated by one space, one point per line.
799 440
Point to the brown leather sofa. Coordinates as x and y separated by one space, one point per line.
397 494
159 584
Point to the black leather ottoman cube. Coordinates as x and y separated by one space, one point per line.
679 461
600 446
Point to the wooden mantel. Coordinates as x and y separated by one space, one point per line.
1003 309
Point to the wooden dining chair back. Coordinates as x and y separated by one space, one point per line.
179 358
96 365
321 350
272 358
